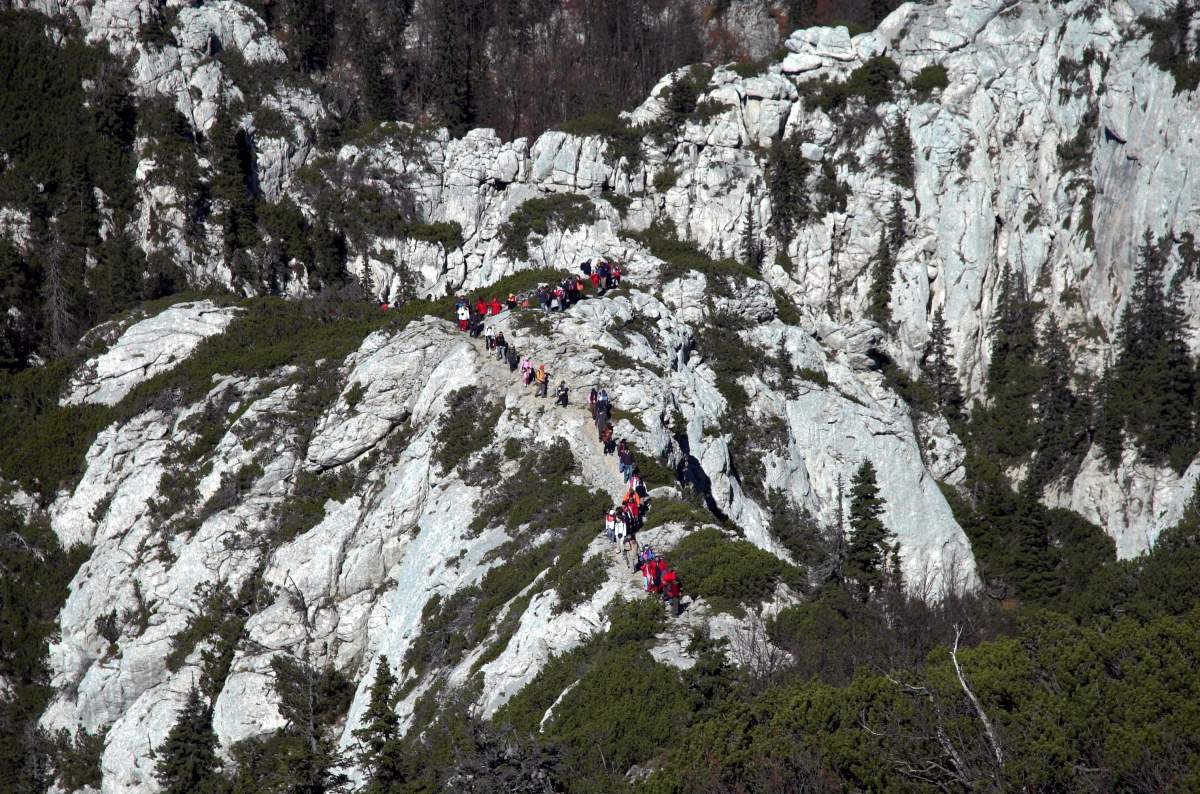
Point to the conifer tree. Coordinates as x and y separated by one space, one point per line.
897 228
900 152
1060 422
1150 392
938 370
752 249
310 700
187 760
1013 372
870 540
879 295
380 752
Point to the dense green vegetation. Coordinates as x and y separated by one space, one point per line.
561 212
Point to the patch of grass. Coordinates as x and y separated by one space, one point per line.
537 216
730 574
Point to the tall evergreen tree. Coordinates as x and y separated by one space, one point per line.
1062 417
187 760
879 294
938 370
1151 391
381 753
752 249
310 700
1013 371
870 540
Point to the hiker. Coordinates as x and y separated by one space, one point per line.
495 306
624 460
464 317
672 591
489 338
586 268
636 484
543 380
630 543
501 345
480 307
610 526
592 396
512 302
476 326
606 438
562 393
526 370
616 274
602 401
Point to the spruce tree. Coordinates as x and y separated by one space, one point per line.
187 760
752 249
938 371
1150 392
380 752
879 294
870 540
1013 371
1061 423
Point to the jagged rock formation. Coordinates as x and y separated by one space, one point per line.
997 181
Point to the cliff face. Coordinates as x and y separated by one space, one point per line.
1053 146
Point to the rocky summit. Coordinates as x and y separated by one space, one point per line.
903 347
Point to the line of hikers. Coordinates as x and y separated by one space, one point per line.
622 522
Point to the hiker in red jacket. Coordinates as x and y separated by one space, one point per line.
672 591
495 306
481 307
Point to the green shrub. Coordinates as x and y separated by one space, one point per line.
619 202
666 511
537 216
873 82
679 257
305 506
448 235
1171 46
623 710
466 426
931 78
666 178
730 573
624 140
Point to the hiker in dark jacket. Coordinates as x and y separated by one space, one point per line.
625 461
562 393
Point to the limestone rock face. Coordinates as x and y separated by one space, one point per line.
994 186
152 346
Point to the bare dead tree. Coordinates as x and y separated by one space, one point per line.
55 302
993 739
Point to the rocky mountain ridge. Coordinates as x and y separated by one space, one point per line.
1017 162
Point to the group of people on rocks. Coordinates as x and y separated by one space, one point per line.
624 520
661 579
